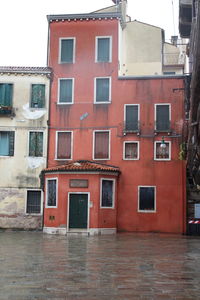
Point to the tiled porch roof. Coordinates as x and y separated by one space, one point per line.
83 166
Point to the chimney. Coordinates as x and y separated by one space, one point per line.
174 40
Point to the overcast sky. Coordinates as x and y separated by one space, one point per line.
23 24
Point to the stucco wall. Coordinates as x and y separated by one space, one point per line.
141 50
13 210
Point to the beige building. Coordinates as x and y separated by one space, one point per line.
143 50
24 100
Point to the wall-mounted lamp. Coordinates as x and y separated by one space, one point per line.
163 147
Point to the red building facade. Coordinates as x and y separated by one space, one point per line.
114 142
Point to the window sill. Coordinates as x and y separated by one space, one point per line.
147 211
61 159
101 102
162 159
62 103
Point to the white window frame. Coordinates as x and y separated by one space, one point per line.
147 211
48 179
96 48
138 150
74 49
41 203
131 104
56 150
113 196
110 86
109 144
155 110
42 145
88 217
162 159
58 100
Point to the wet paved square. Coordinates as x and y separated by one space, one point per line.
118 267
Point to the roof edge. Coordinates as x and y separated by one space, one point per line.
51 18
25 70
181 76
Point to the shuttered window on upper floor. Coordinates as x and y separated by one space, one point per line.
6 94
103 49
131 117
38 95
67 47
162 117
7 139
36 143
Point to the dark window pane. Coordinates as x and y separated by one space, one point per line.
102 90
36 144
6 91
162 153
38 95
131 117
162 117
146 200
107 193
103 51
33 202
51 196
64 145
67 47
131 150
65 91
101 147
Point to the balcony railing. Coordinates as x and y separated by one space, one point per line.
6 110
131 127
164 126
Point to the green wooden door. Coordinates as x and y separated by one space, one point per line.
78 210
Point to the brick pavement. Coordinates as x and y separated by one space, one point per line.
119 267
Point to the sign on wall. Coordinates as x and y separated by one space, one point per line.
78 183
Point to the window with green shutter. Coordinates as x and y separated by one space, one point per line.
7 139
6 93
67 50
66 91
38 95
36 143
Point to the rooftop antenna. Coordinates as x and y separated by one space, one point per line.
173 16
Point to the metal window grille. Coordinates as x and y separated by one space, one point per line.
33 202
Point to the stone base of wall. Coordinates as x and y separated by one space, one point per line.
21 222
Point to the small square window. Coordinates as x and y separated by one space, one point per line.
36 143
67 47
64 145
103 90
162 151
51 192
66 91
101 144
131 150
38 95
107 193
33 205
7 139
103 49
147 199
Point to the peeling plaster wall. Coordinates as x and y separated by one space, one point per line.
21 172
13 208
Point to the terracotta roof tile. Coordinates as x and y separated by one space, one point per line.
33 70
83 165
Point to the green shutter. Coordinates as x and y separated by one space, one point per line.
6 91
11 143
36 144
38 95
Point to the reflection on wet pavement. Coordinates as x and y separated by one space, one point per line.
117 267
